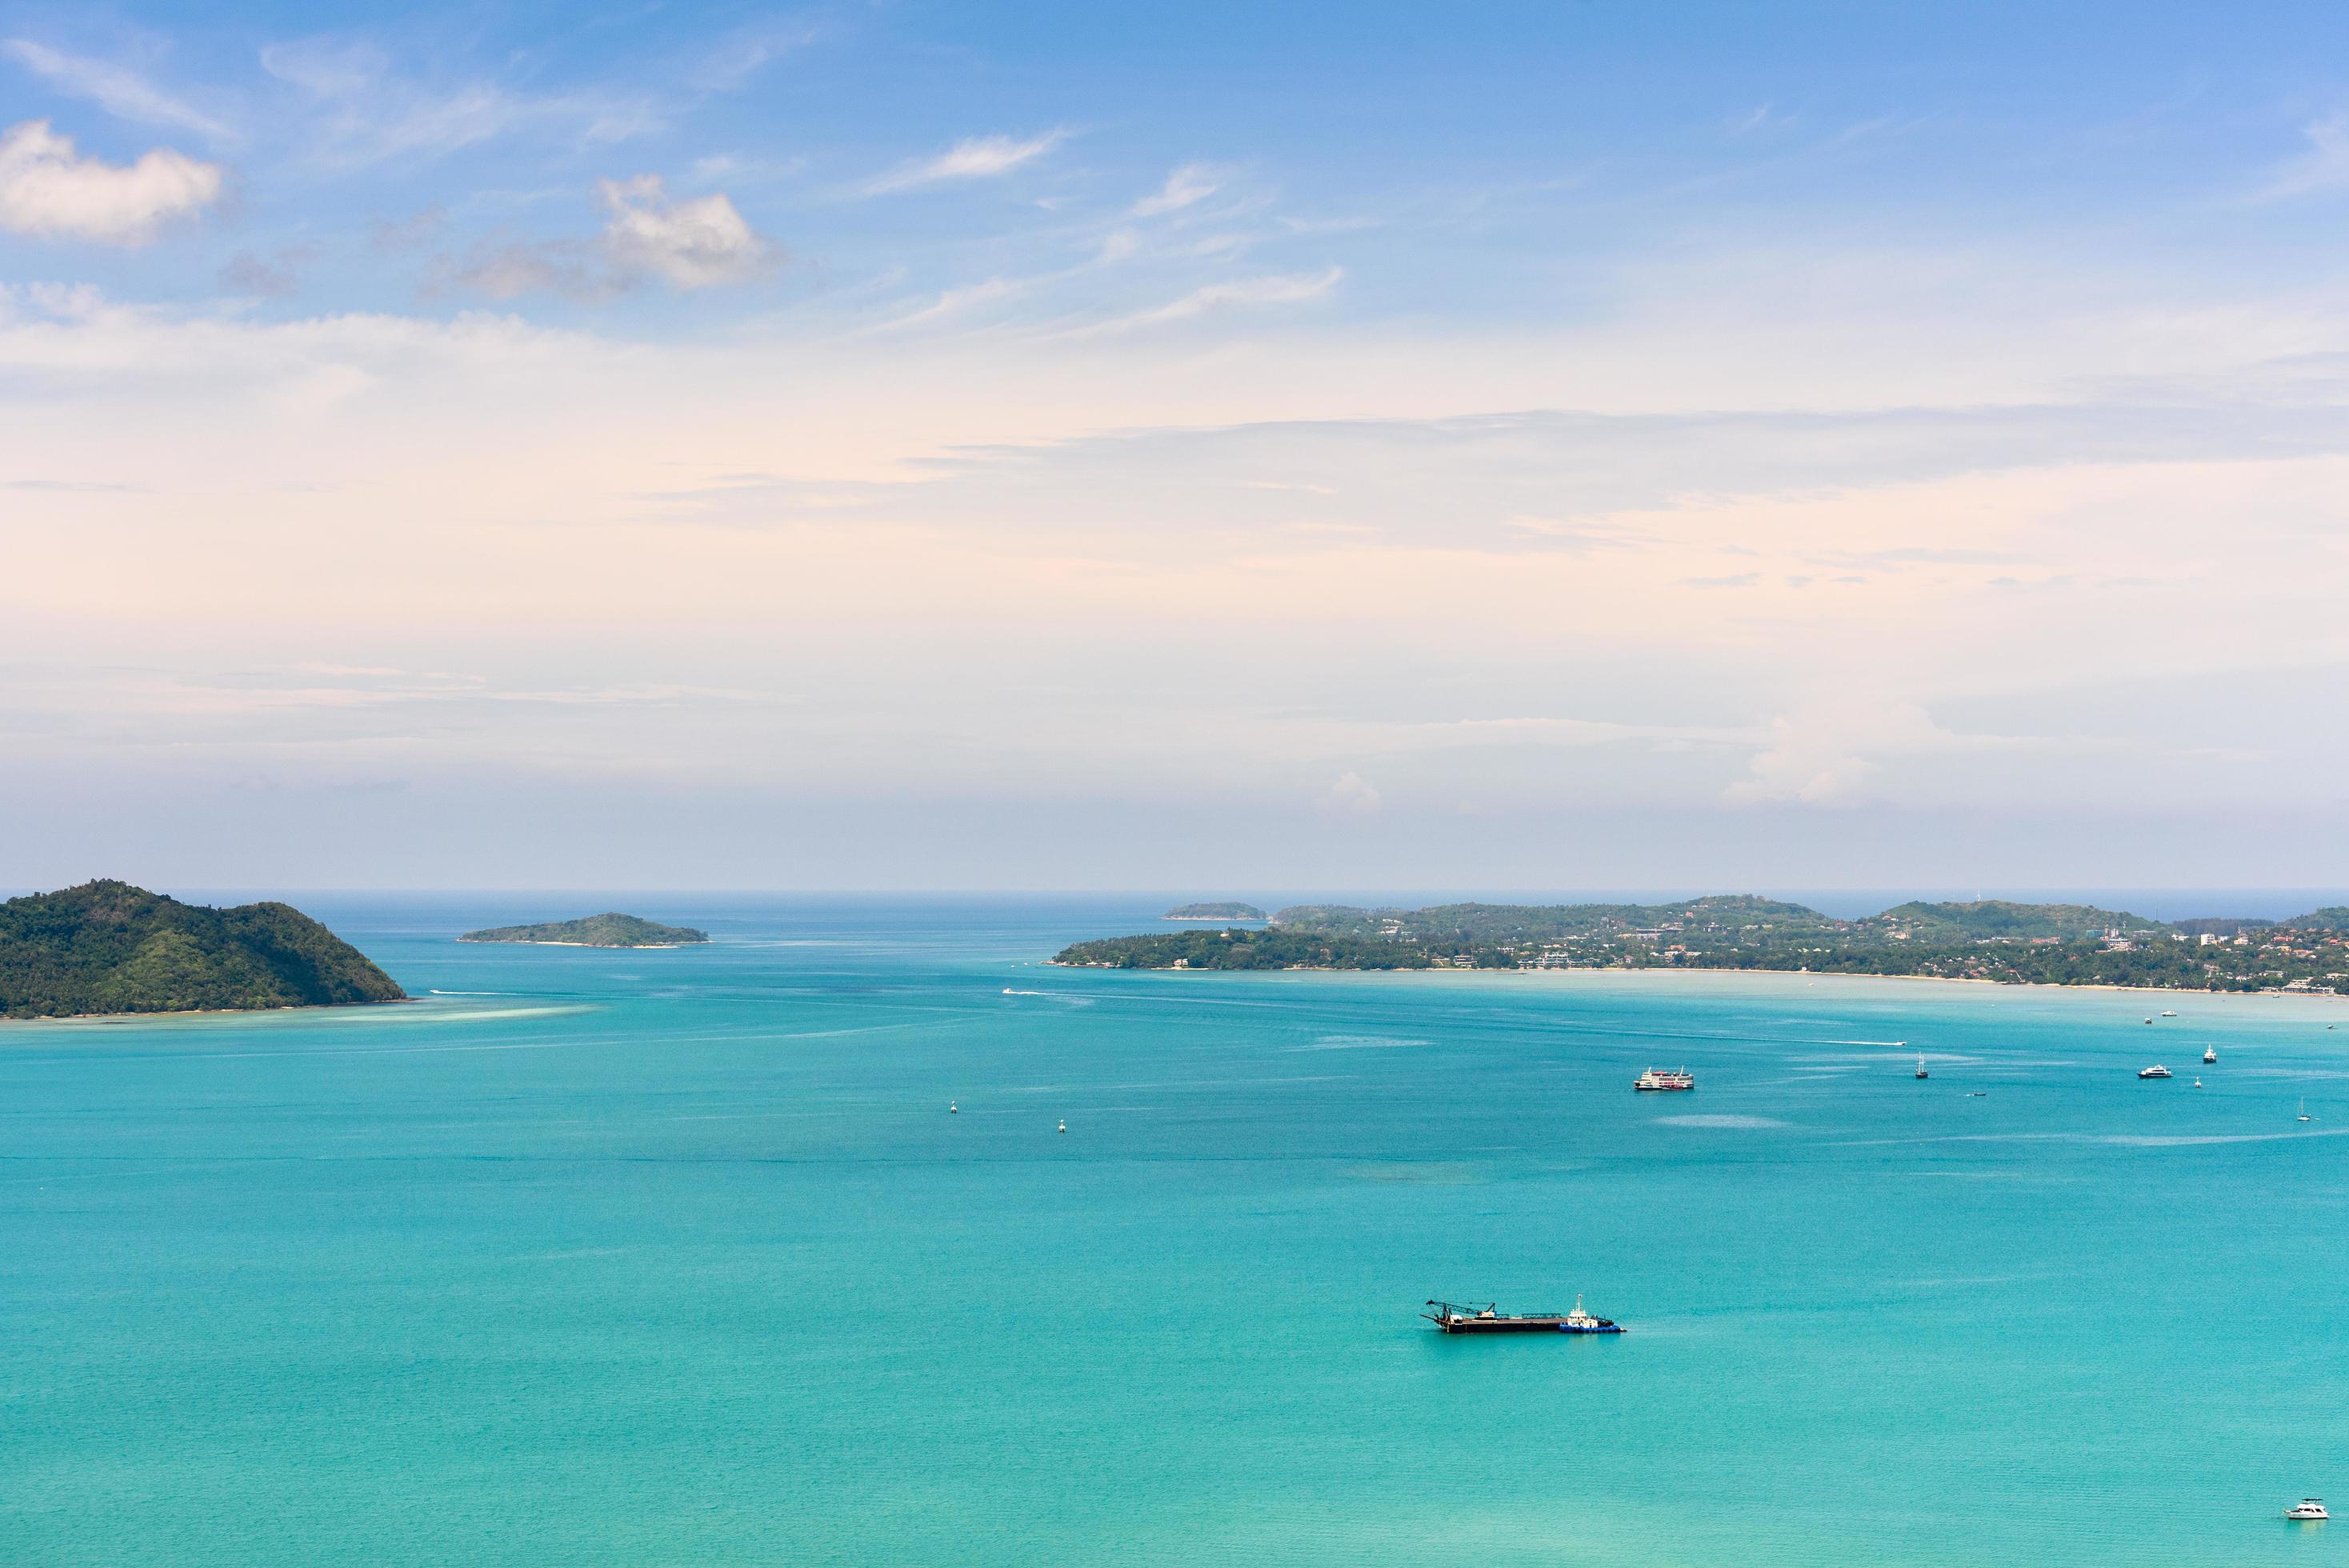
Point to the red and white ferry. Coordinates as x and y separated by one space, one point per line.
1666 1078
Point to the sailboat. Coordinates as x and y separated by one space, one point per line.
2304 1110
1920 1067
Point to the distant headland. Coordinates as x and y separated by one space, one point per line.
110 947
1991 940
1213 912
611 930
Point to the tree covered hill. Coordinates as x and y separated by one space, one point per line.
609 929
1991 939
110 947
1996 919
1480 925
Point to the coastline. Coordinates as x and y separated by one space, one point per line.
607 946
1694 971
205 1012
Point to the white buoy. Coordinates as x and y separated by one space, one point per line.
1065 1127
952 1108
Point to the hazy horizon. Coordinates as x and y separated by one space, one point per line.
555 902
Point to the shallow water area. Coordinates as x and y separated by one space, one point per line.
669 1256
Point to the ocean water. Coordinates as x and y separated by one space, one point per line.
644 1258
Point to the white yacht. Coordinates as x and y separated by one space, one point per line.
2157 1071
2168 1013
2307 1508
2210 1055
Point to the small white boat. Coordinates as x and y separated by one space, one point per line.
2197 1083
2210 1055
2168 1013
952 1109
2308 1508
2148 1020
1065 1127
2304 1110
2157 1071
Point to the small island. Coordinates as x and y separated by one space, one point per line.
108 947
609 929
1988 940
1213 912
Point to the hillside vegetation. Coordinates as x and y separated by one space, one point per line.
1990 939
110 947
609 929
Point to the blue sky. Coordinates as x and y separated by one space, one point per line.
1079 445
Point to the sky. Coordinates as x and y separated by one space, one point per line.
1055 446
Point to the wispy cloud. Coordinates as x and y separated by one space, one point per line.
748 50
1186 187
1291 288
116 88
373 113
954 302
262 277
2324 167
975 158
50 190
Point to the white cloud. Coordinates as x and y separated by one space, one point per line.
692 245
1833 752
115 89
1191 184
975 158
2324 167
1289 288
49 190
1352 796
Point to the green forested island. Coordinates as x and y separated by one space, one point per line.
110 947
1991 939
1213 912
610 930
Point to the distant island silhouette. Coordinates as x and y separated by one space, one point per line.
609 929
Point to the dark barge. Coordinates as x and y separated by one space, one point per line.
1483 1319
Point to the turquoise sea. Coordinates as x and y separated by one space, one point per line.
654 1258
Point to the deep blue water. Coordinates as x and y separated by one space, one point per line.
609 1258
